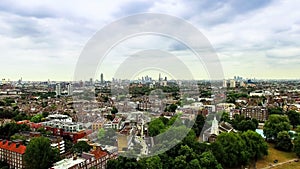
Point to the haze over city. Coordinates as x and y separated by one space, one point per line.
41 40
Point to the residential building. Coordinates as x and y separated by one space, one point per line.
59 117
13 153
256 112
96 158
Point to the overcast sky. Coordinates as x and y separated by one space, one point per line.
42 39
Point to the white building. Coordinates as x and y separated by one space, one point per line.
67 126
232 83
59 117
70 89
224 83
58 89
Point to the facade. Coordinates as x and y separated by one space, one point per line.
59 117
66 126
232 84
217 128
70 89
58 142
97 158
58 89
12 153
256 112
224 83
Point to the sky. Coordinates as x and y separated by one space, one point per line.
41 40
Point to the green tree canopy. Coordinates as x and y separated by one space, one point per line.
233 150
39 154
114 110
199 123
155 127
256 145
294 118
81 146
37 118
275 124
245 125
284 141
297 146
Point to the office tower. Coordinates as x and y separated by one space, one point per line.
70 89
101 78
91 81
224 83
232 83
159 77
58 89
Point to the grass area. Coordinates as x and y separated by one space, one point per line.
292 165
278 155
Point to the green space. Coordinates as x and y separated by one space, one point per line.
275 154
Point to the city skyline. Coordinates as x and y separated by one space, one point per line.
43 40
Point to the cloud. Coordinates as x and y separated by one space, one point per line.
50 34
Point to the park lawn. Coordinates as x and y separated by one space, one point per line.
275 154
292 165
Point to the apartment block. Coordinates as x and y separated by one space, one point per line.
13 153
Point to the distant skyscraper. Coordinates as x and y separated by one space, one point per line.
101 78
91 81
58 89
224 83
159 77
70 89
232 83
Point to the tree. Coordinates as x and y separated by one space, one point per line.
284 141
225 117
114 110
39 154
256 145
246 125
294 118
237 119
155 127
171 108
153 162
18 137
81 146
232 150
208 160
10 129
199 123
297 146
37 118
275 124
180 162
275 110
45 114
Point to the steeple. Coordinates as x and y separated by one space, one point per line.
215 127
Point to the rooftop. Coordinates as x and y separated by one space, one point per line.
12 146
67 163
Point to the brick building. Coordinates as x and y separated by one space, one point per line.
256 112
13 153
